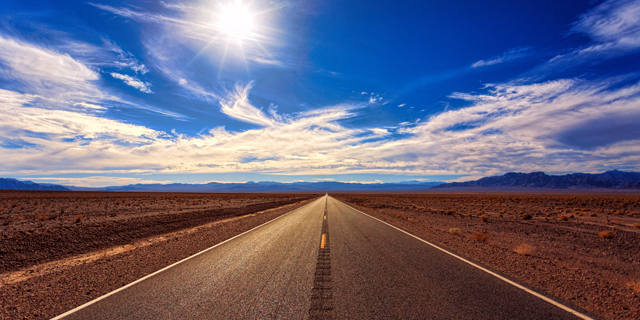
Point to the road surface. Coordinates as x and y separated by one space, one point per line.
324 260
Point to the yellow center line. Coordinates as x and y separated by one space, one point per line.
322 242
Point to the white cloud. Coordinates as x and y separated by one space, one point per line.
269 61
402 105
614 28
507 56
133 82
46 72
556 126
58 81
238 106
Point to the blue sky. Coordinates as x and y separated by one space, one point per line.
117 92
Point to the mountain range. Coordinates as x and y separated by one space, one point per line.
267 186
608 180
13 184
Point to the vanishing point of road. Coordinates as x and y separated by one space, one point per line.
325 260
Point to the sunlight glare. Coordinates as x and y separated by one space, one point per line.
236 21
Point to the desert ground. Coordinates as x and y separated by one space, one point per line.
61 249
582 248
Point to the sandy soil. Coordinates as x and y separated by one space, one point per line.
48 288
553 243
37 227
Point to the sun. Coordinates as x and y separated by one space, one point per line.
236 21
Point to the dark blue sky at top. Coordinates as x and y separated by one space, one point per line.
392 64
410 52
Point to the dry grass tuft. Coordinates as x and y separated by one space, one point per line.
78 218
524 249
400 215
593 214
607 234
455 231
563 218
484 217
481 236
637 225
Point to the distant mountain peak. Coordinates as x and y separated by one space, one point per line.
14 184
614 179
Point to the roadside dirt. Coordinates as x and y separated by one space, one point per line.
552 243
37 227
46 289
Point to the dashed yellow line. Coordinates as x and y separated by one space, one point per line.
323 241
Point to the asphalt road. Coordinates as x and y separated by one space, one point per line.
352 267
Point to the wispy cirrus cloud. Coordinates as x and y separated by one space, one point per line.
614 28
56 80
133 82
507 56
46 72
237 106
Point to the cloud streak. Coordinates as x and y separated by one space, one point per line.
507 56
614 28
133 82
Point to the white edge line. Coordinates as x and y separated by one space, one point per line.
553 302
170 266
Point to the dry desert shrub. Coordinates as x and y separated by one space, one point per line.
634 285
637 225
41 217
526 216
563 218
593 214
481 237
524 249
455 231
484 217
400 215
78 218
607 234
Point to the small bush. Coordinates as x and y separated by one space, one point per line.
563 218
526 216
524 249
607 234
400 215
484 217
455 231
593 214
78 218
481 236
637 225
634 285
